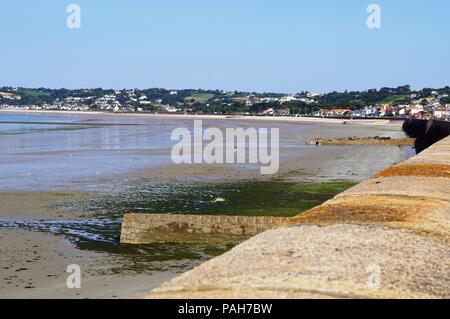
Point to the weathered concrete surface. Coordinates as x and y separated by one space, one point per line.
189 229
329 261
388 237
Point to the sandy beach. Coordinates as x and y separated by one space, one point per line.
33 265
363 122
39 208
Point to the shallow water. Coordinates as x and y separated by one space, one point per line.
36 156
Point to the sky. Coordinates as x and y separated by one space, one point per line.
246 45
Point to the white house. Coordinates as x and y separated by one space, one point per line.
416 109
442 112
170 109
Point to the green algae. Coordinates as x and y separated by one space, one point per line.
246 198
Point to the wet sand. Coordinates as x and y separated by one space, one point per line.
33 265
38 205
327 165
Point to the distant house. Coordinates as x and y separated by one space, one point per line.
270 111
267 100
5 94
282 112
388 111
370 111
335 112
73 99
442 113
288 98
420 115
404 111
170 109
358 113
9 96
436 103
416 109
312 94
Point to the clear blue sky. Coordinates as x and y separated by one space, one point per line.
257 45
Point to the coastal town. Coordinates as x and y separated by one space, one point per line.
401 102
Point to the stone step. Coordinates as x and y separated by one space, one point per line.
187 229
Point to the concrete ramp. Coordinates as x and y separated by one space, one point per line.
388 237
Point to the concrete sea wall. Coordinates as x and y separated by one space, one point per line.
387 237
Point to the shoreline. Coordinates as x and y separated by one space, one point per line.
371 122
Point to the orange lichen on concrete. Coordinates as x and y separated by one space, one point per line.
366 209
421 215
417 169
